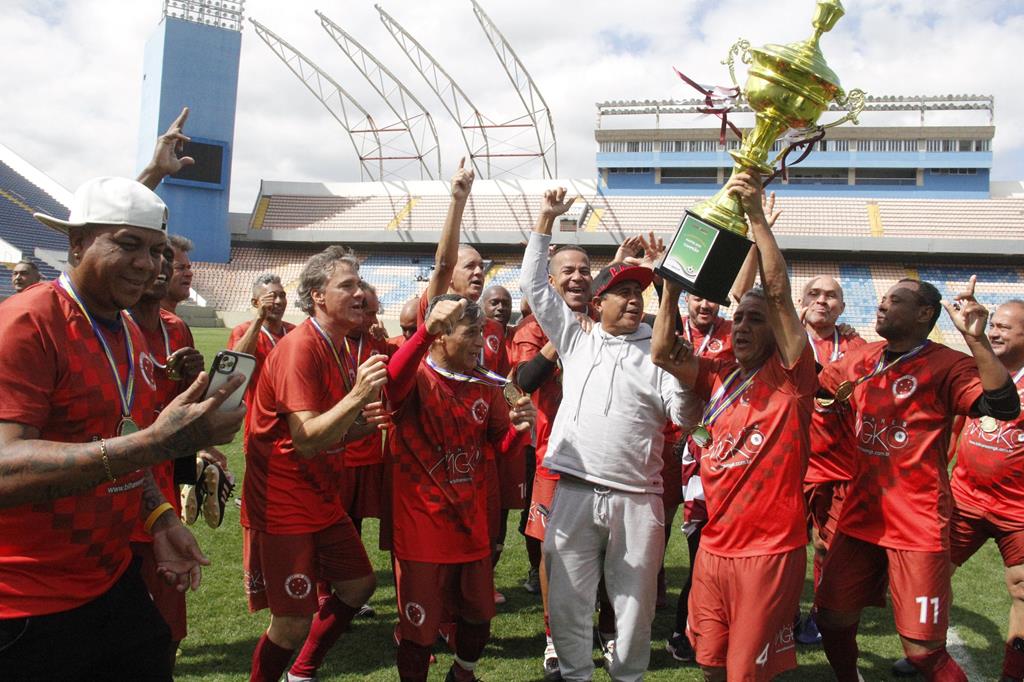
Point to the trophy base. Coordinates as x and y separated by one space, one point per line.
704 258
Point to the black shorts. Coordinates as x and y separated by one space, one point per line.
120 635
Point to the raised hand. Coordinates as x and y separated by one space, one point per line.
376 414
967 314
553 204
629 248
654 249
179 560
265 305
371 377
191 422
746 186
444 316
768 208
462 181
165 159
523 414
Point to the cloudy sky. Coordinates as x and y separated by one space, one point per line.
72 70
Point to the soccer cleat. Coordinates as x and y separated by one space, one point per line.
465 676
904 668
193 496
679 647
532 582
366 611
293 678
217 489
807 632
607 644
552 673
499 598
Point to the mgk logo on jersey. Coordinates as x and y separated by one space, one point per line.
732 451
881 437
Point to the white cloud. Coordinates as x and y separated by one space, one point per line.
76 70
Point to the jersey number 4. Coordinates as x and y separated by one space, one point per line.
924 603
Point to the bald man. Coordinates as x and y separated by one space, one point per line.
496 302
829 468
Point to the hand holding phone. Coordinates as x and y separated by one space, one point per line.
226 363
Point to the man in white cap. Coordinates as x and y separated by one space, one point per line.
77 438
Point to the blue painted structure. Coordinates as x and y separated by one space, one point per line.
194 65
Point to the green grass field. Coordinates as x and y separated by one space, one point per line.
222 633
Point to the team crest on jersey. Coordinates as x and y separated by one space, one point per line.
492 343
147 368
415 613
254 582
715 346
298 585
904 387
479 410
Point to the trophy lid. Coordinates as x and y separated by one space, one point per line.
806 55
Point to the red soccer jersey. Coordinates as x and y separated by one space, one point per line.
265 343
495 358
832 428
900 495
439 472
715 345
286 493
528 340
55 377
171 335
753 470
989 474
367 450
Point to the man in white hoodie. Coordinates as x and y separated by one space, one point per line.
606 444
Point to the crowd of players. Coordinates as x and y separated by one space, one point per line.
775 428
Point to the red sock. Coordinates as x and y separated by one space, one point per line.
330 621
323 593
840 646
938 666
470 640
1013 664
547 625
413 661
269 661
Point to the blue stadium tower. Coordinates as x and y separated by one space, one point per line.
639 154
192 60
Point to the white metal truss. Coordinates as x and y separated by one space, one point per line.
361 129
536 108
495 149
416 121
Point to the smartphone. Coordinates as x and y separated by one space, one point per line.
226 363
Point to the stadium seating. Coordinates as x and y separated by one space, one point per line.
19 198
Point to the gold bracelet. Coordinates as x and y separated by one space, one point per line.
106 460
156 514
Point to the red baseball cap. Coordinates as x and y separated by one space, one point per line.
615 273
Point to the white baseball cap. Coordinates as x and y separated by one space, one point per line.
112 201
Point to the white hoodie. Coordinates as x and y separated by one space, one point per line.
615 401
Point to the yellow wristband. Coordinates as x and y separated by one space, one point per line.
106 460
156 514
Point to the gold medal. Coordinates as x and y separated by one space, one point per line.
512 393
172 369
844 391
824 402
127 426
701 435
989 424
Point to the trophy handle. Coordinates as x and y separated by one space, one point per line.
854 101
742 47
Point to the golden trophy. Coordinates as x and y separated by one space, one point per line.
789 87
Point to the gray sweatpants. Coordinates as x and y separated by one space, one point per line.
591 531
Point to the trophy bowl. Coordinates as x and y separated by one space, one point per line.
788 87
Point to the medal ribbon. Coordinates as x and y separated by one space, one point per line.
334 351
835 346
881 368
354 361
704 343
125 392
270 336
721 400
167 340
489 378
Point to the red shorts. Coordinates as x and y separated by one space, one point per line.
970 529
169 602
430 593
540 506
361 490
671 477
824 504
281 571
741 612
512 477
856 573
